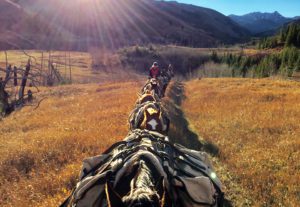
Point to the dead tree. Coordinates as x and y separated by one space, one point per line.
15 76
24 81
4 103
7 75
9 103
3 98
56 73
70 68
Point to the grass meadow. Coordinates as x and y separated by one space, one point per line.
254 123
41 150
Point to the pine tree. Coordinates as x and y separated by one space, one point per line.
298 39
214 57
281 36
291 36
298 64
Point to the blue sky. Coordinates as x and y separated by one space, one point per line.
288 8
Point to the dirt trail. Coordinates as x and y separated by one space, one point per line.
181 133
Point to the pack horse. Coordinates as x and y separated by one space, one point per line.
146 169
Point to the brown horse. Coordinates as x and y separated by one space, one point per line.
150 116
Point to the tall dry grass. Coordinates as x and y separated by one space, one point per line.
255 125
41 150
82 64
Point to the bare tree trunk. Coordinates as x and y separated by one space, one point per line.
42 68
49 64
3 99
7 75
70 68
65 64
56 73
24 80
15 76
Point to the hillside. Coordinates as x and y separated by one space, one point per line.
115 23
22 29
261 23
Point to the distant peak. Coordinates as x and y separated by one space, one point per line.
262 15
277 13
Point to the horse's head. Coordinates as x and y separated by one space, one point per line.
154 82
144 191
153 119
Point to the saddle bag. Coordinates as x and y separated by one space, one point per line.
195 192
194 181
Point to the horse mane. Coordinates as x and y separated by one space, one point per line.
142 197
142 191
146 185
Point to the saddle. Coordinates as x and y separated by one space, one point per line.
191 180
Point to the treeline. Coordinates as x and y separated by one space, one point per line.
183 59
283 63
287 37
189 61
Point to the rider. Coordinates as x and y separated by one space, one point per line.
154 71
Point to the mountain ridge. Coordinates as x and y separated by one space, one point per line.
115 23
261 22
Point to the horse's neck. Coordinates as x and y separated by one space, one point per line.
144 178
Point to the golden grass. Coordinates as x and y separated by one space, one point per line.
81 65
41 150
255 125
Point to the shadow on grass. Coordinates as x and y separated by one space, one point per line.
179 129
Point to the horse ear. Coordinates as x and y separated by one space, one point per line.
112 197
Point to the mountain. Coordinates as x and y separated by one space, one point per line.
258 22
116 23
23 29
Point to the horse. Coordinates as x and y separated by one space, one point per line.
154 86
145 169
164 81
142 184
150 116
